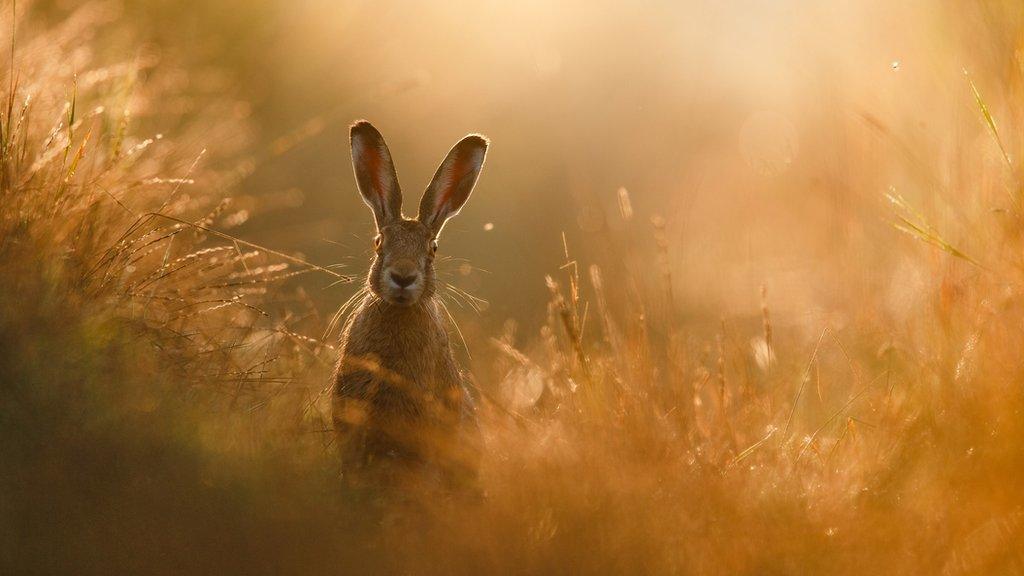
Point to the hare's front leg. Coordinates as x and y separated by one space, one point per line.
350 416
464 443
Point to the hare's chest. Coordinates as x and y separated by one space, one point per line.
412 350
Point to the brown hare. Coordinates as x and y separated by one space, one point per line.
401 403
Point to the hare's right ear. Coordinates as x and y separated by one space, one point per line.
375 173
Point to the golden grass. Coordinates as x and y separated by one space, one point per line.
166 409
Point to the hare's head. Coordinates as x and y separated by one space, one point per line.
403 267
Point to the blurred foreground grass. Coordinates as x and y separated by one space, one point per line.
164 382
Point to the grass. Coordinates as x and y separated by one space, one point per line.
165 390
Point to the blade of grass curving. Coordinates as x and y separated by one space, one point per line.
917 226
229 237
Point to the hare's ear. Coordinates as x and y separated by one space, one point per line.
453 182
375 173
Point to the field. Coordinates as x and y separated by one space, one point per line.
753 316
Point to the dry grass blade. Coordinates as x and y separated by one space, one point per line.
915 225
748 451
219 234
837 413
805 376
989 121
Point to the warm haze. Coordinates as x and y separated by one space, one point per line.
740 286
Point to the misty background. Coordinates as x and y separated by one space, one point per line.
764 134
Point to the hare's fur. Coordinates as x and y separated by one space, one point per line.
400 399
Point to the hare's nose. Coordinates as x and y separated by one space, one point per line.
403 281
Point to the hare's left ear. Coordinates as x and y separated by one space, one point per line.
453 182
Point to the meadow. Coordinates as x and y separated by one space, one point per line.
795 359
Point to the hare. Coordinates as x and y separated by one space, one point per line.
400 400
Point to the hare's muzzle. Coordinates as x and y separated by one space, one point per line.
403 280
403 283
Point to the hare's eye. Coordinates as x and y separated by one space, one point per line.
433 246
377 242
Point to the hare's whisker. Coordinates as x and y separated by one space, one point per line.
474 302
345 307
458 330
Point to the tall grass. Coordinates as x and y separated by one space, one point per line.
141 342
165 381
